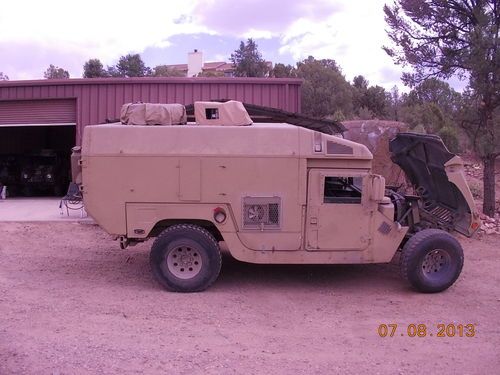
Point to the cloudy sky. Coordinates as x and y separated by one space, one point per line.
34 34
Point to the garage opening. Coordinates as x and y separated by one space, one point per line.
36 137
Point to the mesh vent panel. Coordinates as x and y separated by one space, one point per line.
261 212
384 228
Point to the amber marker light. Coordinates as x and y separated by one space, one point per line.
474 225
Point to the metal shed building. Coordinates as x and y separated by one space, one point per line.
82 102
41 115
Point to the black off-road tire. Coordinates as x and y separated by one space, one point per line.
431 260
185 258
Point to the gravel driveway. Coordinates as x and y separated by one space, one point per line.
71 302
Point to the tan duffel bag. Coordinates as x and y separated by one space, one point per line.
153 114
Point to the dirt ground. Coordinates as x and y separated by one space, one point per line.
71 302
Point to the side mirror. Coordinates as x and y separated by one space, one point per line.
377 192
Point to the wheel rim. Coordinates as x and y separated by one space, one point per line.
183 261
436 263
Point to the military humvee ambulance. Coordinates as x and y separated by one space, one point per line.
269 193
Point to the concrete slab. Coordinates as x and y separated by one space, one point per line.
38 209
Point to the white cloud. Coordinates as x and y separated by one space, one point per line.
264 17
257 34
106 25
350 32
67 33
220 57
353 37
94 28
162 44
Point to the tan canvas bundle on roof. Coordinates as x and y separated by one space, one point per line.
228 113
153 114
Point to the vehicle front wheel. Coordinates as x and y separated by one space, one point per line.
431 260
185 258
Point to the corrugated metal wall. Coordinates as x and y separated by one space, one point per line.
38 112
101 99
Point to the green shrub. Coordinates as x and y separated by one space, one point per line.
418 129
450 139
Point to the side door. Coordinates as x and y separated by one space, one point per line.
337 217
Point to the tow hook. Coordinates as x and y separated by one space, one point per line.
124 242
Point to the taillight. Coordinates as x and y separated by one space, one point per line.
219 215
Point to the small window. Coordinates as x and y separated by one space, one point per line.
212 113
342 190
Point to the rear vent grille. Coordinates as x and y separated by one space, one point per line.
336 148
261 212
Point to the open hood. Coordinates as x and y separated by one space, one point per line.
438 178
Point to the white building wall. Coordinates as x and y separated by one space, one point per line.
195 63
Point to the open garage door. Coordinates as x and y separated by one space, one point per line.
36 137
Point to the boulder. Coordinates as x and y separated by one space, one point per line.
375 134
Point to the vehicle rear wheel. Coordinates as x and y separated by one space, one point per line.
185 258
431 260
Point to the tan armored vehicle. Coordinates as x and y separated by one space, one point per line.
271 193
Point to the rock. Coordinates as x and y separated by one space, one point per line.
490 231
375 134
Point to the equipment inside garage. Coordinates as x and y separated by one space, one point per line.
35 146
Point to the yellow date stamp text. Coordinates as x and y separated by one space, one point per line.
427 330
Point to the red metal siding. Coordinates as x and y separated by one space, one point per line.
38 112
100 99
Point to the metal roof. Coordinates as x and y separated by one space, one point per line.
135 80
